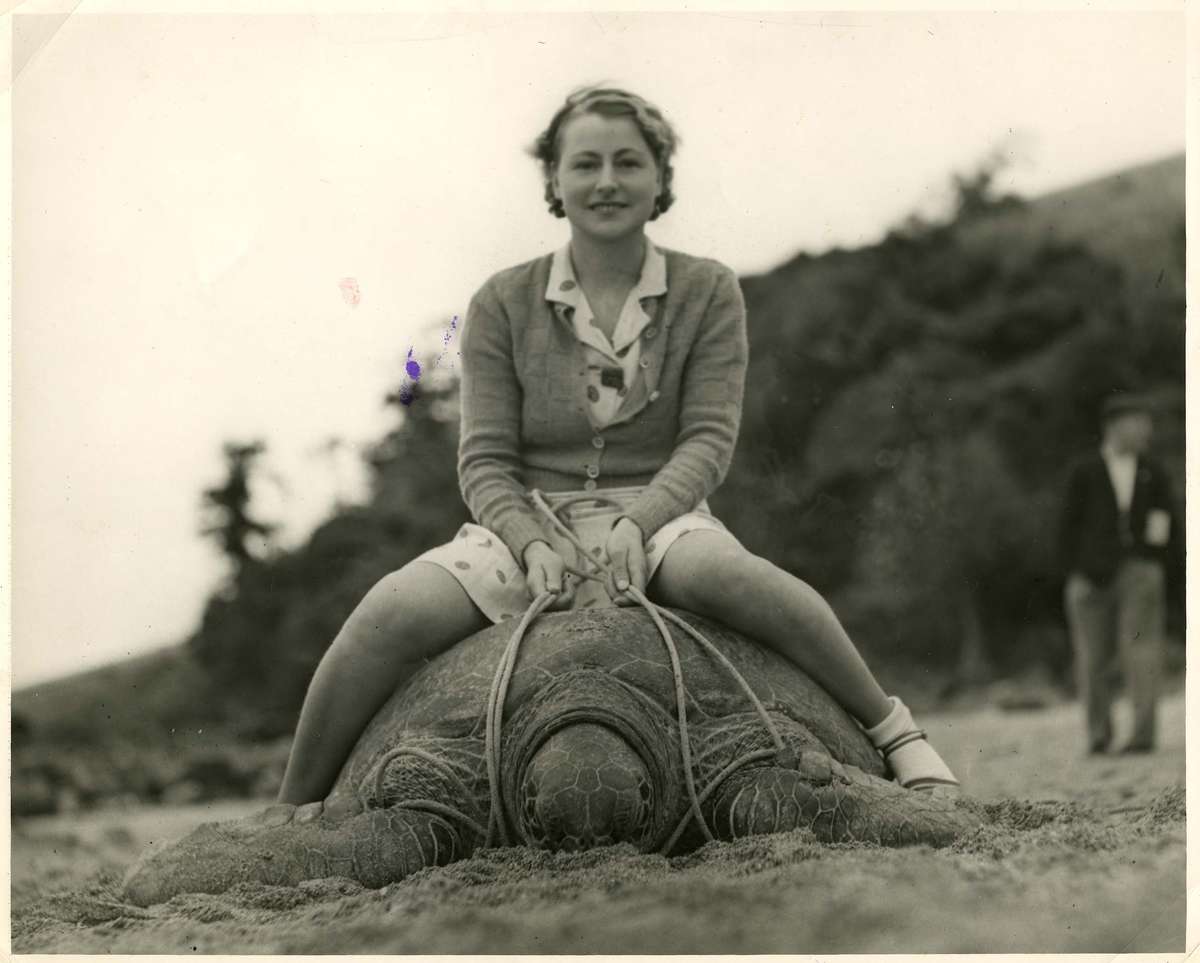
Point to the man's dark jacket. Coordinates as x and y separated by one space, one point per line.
1094 537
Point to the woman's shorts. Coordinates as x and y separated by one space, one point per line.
486 569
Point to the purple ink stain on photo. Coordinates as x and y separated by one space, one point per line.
412 367
407 393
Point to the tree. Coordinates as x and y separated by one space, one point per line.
975 193
228 506
262 643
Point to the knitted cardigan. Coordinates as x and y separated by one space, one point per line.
525 417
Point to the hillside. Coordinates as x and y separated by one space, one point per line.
1133 217
151 728
118 698
915 404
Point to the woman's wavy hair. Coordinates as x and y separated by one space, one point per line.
610 102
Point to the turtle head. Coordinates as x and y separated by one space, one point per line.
593 766
585 787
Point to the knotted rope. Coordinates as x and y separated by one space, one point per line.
504 671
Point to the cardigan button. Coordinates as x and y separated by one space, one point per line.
593 471
589 486
644 363
654 395
650 332
597 442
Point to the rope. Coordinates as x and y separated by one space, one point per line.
495 716
508 659
430 805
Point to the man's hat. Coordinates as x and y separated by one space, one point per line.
1122 403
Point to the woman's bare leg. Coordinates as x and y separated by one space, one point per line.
406 617
711 574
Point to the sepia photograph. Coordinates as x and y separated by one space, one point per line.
593 481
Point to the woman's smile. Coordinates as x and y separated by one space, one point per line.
608 207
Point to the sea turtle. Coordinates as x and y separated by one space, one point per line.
590 753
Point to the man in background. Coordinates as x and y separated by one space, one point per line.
1117 525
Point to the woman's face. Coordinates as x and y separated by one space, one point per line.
606 176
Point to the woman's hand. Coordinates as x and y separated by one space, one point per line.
627 561
545 571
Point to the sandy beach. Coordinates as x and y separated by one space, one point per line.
1081 854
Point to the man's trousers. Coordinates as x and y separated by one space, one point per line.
1126 617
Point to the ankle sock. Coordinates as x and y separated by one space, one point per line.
913 761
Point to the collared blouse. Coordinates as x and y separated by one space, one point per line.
612 365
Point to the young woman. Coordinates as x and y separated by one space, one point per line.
609 366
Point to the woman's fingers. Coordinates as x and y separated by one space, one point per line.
547 573
557 582
539 578
547 570
566 596
535 579
637 568
624 569
634 573
618 572
553 568
635 565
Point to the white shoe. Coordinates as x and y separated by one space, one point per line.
913 761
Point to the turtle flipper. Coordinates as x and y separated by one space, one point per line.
838 803
375 847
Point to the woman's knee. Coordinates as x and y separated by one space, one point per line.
711 575
411 613
745 579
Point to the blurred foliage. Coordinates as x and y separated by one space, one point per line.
262 638
913 409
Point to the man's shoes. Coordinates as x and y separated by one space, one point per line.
1137 749
1098 749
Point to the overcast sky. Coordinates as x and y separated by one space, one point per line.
190 193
